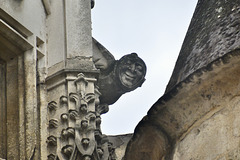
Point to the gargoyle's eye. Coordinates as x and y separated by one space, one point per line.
139 68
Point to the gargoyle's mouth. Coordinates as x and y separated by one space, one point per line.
130 76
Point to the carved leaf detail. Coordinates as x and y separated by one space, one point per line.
74 97
52 141
67 150
73 114
103 108
67 133
90 97
52 106
53 123
51 157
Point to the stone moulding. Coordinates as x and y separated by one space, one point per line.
13 43
60 77
15 24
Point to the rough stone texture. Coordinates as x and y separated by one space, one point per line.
217 137
78 28
12 111
148 143
120 143
194 101
213 32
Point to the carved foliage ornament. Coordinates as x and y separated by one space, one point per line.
74 125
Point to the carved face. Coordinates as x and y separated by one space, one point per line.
131 70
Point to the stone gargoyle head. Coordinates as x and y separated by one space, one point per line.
130 72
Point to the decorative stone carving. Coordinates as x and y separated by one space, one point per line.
125 75
64 100
64 117
107 148
117 77
78 135
52 106
111 150
73 114
52 141
86 158
53 123
102 108
98 121
67 133
79 131
67 150
51 157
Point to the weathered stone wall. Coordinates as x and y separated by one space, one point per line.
199 119
216 137
213 32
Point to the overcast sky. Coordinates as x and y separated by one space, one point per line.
155 30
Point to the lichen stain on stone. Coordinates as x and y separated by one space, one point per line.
213 32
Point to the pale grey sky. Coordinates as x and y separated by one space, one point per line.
155 30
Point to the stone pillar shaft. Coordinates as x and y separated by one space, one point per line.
78 28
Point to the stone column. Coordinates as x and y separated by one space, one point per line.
78 28
71 114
